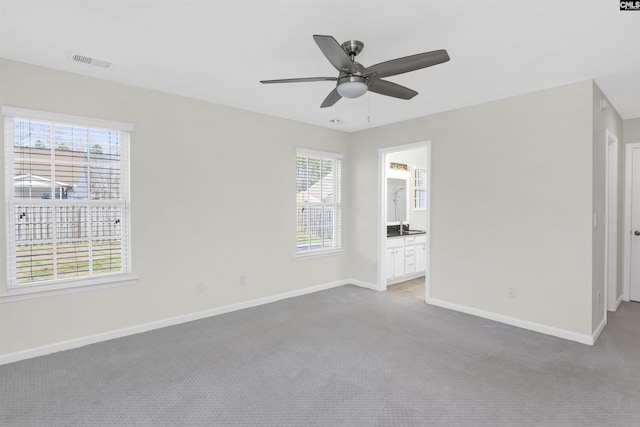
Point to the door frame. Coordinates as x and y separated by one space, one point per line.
382 211
611 300
626 249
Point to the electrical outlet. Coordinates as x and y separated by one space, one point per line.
243 280
511 292
599 299
200 287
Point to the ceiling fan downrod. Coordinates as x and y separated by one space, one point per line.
353 48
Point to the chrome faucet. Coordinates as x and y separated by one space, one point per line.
401 229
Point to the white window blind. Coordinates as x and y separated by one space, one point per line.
318 201
67 191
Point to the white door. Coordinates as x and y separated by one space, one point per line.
634 279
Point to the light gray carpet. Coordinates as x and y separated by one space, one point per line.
346 356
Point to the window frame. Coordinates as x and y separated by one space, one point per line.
337 160
57 285
419 188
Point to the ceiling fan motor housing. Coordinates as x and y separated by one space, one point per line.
353 47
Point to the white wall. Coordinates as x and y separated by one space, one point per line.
416 158
511 205
512 197
209 203
631 131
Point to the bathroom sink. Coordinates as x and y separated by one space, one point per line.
415 232
405 233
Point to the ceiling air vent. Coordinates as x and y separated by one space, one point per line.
91 61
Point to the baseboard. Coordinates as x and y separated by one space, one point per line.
618 302
362 284
616 305
525 324
132 330
597 332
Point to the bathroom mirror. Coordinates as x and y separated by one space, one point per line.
397 200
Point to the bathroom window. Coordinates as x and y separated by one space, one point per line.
67 189
420 189
318 202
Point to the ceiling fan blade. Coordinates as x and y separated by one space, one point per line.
301 80
385 87
335 53
406 64
331 99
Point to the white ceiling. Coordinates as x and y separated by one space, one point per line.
218 50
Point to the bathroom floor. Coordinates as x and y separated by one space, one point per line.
412 288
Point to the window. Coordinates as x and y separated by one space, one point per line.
420 191
318 202
67 194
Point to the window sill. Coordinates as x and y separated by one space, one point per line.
318 254
68 287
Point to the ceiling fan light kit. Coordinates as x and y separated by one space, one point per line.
354 80
352 86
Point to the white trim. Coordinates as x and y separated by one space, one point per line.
163 323
524 324
596 334
70 286
144 327
318 253
8 135
382 224
427 265
363 284
382 211
23 113
317 153
626 233
618 302
611 203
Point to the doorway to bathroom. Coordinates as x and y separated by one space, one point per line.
404 219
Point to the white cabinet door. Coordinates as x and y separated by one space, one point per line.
388 259
421 257
398 263
394 259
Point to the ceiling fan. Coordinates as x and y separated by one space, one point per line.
354 79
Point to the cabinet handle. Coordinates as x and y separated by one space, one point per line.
637 232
